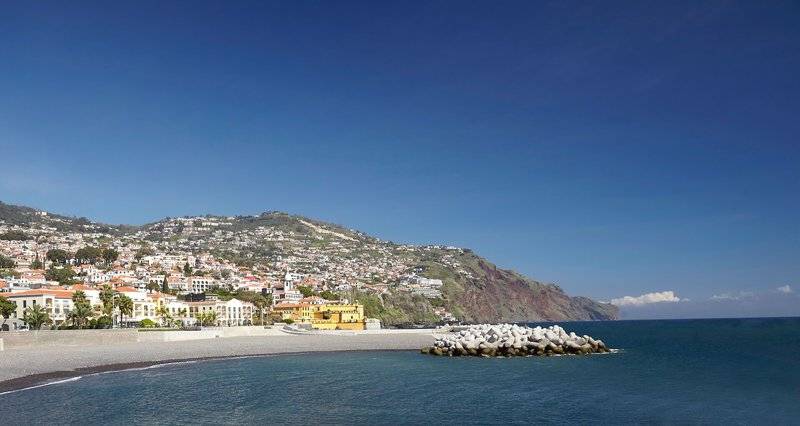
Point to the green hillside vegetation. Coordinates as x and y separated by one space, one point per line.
473 290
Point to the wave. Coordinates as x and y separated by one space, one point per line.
54 382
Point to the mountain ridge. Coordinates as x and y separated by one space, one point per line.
473 289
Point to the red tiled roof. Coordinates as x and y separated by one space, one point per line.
82 287
60 294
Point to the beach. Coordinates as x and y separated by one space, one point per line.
666 372
27 366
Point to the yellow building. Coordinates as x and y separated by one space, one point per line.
323 314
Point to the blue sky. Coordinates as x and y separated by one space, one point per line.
616 151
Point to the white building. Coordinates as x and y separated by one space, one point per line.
201 284
229 313
57 304
286 292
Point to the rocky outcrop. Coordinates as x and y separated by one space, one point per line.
495 295
512 340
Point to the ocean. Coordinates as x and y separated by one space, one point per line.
727 371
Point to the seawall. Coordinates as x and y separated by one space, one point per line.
41 338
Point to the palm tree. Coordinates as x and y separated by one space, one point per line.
81 309
163 312
182 314
125 305
79 314
107 298
206 318
35 316
79 296
261 303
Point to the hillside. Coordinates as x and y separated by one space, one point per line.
363 267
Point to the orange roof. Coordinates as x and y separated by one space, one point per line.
31 274
287 305
158 295
82 287
60 294
127 289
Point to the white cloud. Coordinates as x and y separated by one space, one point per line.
786 289
646 299
733 296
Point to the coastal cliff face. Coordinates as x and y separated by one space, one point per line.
269 244
491 294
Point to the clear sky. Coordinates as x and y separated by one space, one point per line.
616 151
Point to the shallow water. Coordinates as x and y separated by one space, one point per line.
694 371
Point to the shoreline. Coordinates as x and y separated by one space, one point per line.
37 380
29 367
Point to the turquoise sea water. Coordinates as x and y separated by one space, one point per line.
675 372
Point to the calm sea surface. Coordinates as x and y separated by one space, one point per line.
675 372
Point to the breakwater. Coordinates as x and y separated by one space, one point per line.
491 340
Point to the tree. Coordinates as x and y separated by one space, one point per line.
36 316
329 295
107 298
9 273
187 270
81 309
104 321
14 235
110 255
305 290
37 264
7 308
261 303
182 314
147 323
142 252
163 312
80 315
125 305
165 285
64 275
88 254
7 262
211 316
57 256
206 318
152 286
